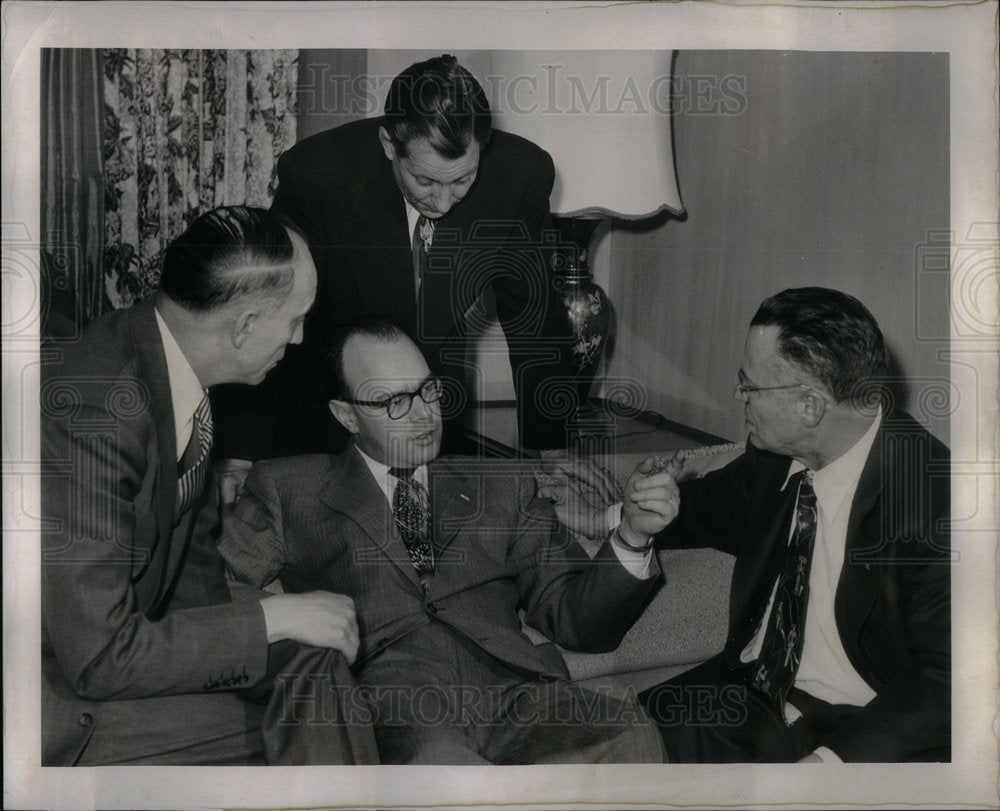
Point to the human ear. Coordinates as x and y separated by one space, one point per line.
243 327
386 141
344 414
812 408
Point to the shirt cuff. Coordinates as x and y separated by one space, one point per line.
614 516
635 563
826 755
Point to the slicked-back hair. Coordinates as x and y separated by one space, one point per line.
370 325
832 337
441 101
230 253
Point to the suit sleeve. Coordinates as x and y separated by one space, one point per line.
712 510
530 310
93 557
253 534
580 603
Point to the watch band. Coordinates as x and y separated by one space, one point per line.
626 545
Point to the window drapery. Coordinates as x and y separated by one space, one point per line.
185 131
136 144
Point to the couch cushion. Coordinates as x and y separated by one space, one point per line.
683 624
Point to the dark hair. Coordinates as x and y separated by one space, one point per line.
371 325
228 253
441 101
832 337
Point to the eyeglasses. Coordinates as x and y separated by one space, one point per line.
398 405
743 388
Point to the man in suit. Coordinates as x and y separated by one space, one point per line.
413 215
440 556
148 658
839 627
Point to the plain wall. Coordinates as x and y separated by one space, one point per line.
832 171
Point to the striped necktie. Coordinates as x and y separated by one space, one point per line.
781 650
195 462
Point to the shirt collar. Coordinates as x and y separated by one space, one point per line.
833 482
186 391
381 471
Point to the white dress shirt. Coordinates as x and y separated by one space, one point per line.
825 671
186 392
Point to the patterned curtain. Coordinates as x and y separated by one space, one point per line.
185 131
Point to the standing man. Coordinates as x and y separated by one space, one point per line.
412 215
839 627
147 658
440 556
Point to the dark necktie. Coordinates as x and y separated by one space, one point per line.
423 233
781 650
411 510
194 462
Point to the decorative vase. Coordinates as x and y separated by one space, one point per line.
587 307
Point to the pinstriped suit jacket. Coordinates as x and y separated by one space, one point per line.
112 560
322 522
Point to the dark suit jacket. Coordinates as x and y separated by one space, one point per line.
892 604
323 522
120 618
339 188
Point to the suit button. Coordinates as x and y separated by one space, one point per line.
381 643
432 608
85 719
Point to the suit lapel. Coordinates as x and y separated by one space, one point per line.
385 237
853 599
151 364
758 570
454 496
351 490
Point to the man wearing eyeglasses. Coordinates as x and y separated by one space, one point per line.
839 628
440 557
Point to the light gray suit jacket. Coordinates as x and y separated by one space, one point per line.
322 522
132 607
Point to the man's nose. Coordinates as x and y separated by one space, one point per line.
420 409
444 199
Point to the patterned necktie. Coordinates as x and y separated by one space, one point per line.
412 512
194 463
423 235
781 650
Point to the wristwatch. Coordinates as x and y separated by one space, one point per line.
617 535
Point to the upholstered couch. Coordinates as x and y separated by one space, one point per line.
685 622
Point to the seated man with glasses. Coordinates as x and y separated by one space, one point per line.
441 557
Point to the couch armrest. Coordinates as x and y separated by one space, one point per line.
684 624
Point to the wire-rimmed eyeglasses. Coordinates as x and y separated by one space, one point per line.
398 405
743 387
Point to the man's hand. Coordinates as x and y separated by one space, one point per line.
579 508
318 618
580 505
597 480
651 499
229 477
